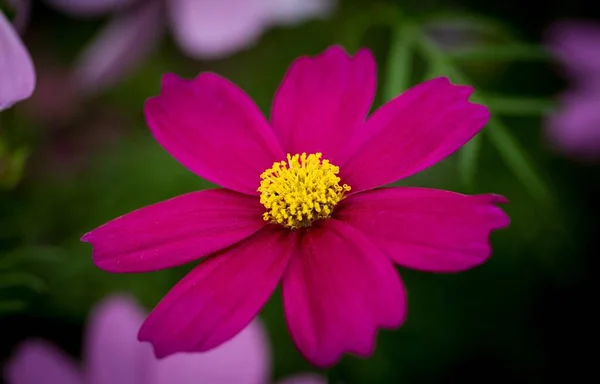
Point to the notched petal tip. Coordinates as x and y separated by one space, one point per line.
157 351
86 238
498 199
172 79
412 132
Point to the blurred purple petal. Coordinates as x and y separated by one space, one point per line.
120 47
575 128
295 11
245 359
36 362
304 378
114 355
17 75
577 45
214 29
88 7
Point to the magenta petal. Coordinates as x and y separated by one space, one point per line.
17 75
113 353
119 47
245 359
412 132
427 229
175 231
322 100
36 362
220 297
338 289
215 130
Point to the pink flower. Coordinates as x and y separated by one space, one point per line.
114 356
317 223
17 75
574 129
203 29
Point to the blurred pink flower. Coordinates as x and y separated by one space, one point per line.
17 74
114 356
574 128
330 240
204 29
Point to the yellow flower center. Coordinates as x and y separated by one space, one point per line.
301 190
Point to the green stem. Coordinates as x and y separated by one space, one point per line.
519 106
510 149
399 61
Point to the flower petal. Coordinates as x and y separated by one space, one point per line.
37 361
119 47
215 130
88 7
114 355
576 45
322 100
248 352
214 29
427 229
17 75
337 290
175 231
220 296
573 129
412 132
304 378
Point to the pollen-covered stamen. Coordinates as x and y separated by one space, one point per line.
301 190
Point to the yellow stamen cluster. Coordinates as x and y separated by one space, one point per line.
301 190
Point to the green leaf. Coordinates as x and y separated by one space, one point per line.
11 306
39 254
509 148
19 279
519 106
467 161
399 61
517 160
505 52
488 25
12 167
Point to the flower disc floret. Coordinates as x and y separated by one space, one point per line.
301 190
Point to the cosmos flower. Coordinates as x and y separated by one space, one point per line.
207 29
301 205
115 356
17 74
574 129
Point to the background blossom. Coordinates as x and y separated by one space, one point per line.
575 128
17 74
114 355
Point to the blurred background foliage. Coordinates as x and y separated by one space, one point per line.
519 317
